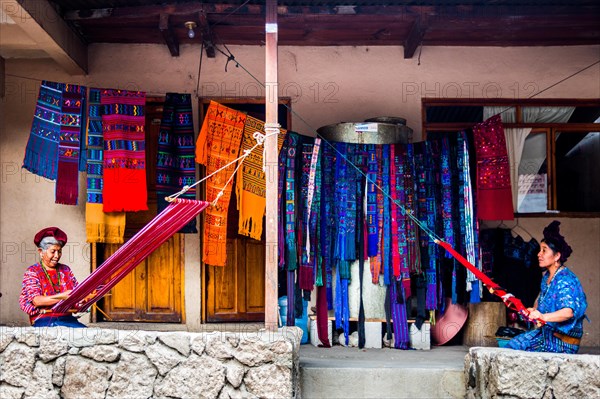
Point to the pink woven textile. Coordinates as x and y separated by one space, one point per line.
131 254
494 194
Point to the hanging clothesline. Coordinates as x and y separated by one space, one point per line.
260 139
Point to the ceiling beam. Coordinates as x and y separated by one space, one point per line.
414 38
153 10
39 20
207 36
168 34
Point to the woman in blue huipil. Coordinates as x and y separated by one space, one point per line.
561 304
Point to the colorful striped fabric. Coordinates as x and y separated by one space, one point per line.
69 146
100 227
175 166
95 145
54 149
124 166
291 251
41 153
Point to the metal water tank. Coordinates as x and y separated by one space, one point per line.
371 131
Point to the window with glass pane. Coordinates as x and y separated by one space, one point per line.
533 175
577 157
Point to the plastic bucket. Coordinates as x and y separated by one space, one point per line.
301 322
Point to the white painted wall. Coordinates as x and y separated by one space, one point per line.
327 85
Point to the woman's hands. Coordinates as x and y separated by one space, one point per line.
44 301
556 317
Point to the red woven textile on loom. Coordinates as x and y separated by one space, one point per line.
124 165
494 194
218 144
131 254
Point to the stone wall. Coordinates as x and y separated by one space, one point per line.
510 374
102 363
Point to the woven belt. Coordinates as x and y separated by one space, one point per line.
567 339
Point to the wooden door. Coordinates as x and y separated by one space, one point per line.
236 292
153 291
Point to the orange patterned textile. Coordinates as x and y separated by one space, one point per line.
218 144
251 184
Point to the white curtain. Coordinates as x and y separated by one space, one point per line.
515 137
547 114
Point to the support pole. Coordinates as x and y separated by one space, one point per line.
271 173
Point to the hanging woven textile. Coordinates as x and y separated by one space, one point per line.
100 227
41 153
471 225
124 166
328 220
414 253
386 239
290 203
372 225
307 227
218 144
250 186
281 159
130 254
345 204
175 166
400 256
494 194
376 261
69 145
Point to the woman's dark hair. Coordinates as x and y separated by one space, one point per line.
556 241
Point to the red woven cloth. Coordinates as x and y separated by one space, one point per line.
124 166
131 254
494 194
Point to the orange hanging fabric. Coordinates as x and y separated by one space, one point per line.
218 145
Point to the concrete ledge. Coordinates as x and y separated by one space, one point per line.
506 373
101 363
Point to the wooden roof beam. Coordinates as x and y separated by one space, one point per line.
414 38
41 22
168 34
207 36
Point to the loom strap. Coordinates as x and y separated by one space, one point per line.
509 299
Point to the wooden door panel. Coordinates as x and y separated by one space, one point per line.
236 292
255 277
152 291
223 288
120 301
122 297
163 283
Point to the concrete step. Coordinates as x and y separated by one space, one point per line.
341 372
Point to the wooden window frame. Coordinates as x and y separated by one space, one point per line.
550 130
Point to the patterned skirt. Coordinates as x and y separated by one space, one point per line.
541 340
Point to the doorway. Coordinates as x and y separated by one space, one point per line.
236 292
